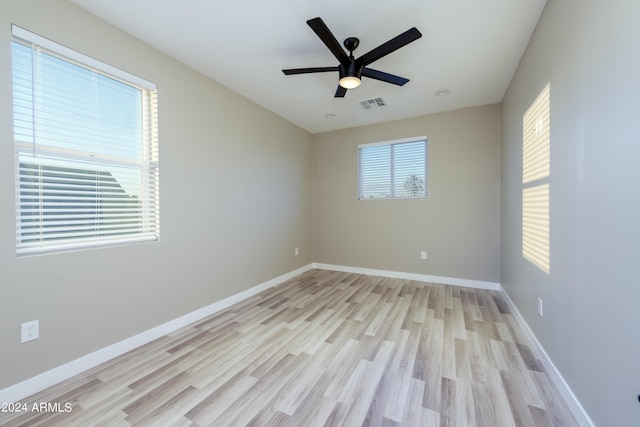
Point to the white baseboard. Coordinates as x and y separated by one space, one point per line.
565 391
40 382
18 392
411 276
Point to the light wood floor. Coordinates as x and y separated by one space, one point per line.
324 349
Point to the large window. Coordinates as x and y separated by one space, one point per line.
86 150
393 169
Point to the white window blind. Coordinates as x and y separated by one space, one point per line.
393 169
86 150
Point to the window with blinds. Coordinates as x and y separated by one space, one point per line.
393 169
86 150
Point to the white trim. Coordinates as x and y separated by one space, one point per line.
52 46
40 382
394 141
492 286
565 391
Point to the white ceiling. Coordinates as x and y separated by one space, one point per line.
471 47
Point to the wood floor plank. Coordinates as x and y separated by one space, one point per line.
398 377
448 410
478 358
484 405
462 363
325 348
465 405
448 345
498 397
434 342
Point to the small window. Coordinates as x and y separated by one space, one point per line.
86 150
393 169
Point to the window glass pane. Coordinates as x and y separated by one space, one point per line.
75 106
375 171
66 200
409 167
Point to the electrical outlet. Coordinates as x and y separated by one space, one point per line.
423 255
296 252
540 307
30 331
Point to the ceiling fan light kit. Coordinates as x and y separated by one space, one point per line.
352 70
350 82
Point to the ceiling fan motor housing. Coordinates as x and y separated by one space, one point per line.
351 44
350 70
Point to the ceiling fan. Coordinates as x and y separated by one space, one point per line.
351 70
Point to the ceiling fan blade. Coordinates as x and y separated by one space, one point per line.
384 77
392 45
308 70
340 92
320 28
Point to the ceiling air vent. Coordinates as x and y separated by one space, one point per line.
368 104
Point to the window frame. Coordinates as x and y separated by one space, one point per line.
43 168
392 166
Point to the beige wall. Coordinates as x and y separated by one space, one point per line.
588 52
235 202
458 225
